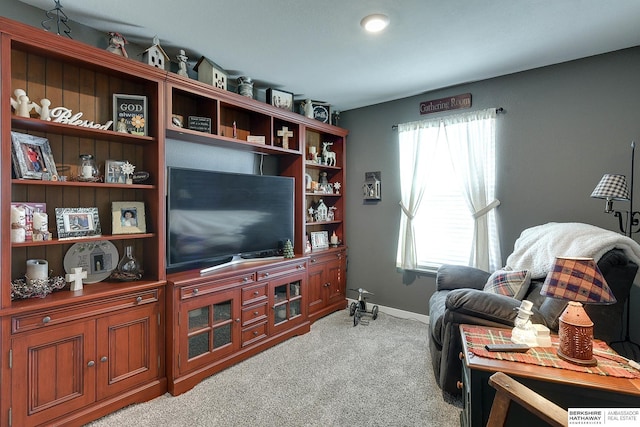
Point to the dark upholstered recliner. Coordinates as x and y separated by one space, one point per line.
459 299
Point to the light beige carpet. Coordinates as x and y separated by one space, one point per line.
336 375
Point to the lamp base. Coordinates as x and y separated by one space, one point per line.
581 362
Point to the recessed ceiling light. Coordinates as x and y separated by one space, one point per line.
375 23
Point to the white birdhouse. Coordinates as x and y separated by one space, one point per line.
210 73
155 55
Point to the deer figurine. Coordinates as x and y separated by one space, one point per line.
328 156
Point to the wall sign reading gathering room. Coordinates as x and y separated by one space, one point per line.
443 104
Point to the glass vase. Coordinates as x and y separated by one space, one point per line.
129 267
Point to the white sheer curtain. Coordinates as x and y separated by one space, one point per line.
469 140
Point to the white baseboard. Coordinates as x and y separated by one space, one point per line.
402 314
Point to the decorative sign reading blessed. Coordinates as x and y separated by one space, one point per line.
444 104
66 116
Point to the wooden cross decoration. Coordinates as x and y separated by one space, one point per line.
285 133
76 277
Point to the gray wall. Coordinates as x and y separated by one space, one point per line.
564 126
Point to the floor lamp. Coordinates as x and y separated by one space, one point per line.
614 187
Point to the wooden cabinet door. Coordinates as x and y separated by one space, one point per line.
316 288
209 328
127 349
53 372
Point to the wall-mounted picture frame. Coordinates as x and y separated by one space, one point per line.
280 98
319 239
73 223
128 218
32 156
130 113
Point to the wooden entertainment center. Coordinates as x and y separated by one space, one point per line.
72 357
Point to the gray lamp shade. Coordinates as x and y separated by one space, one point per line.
611 187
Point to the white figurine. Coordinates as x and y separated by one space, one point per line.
116 44
43 109
308 108
22 105
182 63
328 156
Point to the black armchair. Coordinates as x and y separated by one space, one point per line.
459 299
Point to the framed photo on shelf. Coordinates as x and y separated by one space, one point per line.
319 239
32 157
113 172
280 98
128 217
73 223
130 113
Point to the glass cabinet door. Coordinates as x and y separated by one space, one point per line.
287 299
209 328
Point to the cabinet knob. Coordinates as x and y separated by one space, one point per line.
255 333
461 356
266 274
300 267
255 313
312 260
46 319
245 279
139 299
238 320
256 293
459 385
326 285
91 363
103 359
195 291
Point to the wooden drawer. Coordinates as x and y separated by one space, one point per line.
318 259
294 267
254 294
253 334
204 288
254 314
45 318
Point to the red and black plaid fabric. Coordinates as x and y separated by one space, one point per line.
478 337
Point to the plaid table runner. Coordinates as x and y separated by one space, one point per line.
608 365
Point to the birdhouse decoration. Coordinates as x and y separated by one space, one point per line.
155 55
321 211
210 73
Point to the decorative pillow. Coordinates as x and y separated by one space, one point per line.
510 283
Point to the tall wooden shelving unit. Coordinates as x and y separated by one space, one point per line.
65 358
72 357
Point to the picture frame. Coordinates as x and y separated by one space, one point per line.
280 98
322 112
130 114
32 157
128 218
73 223
319 239
113 171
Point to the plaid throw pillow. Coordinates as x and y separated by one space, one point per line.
510 283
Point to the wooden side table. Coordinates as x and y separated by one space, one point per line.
568 389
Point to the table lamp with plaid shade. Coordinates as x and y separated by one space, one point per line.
578 280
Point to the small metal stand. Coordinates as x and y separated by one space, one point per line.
359 309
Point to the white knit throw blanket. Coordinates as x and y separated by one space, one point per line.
537 247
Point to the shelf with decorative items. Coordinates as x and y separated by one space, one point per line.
324 187
82 172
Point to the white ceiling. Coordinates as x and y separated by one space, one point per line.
317 49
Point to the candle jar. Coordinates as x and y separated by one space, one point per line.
87 169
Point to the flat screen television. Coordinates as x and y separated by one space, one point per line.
216 218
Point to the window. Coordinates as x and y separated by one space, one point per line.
447 176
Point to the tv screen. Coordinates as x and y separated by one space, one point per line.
215 216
